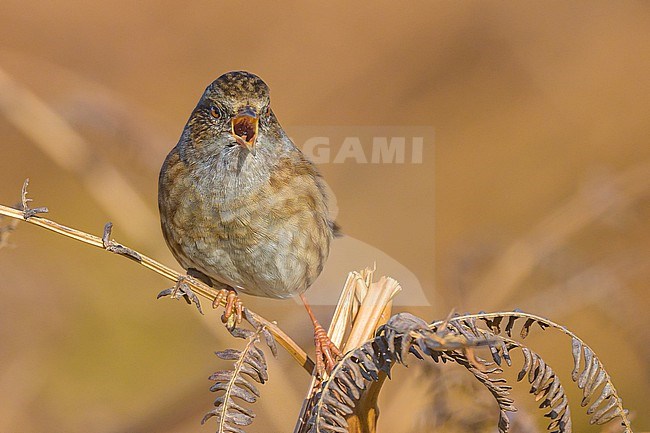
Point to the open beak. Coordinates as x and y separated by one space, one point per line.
245 127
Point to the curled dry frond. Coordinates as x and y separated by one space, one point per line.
453 340
488 375
403 334
607 405
544 382
236 386
589 375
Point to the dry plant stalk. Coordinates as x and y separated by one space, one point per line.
374 310
107 244
363 307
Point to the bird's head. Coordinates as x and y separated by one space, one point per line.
232 111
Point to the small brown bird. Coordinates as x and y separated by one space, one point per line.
241 207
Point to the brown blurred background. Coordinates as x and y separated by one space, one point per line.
533 196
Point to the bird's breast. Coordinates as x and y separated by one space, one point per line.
265 235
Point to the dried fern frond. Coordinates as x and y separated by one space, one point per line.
447 410
495 384
547 386
590 375
453 340
236 384
608 404
403 334
544 382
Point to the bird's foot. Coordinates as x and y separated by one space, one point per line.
327 354
182 290
232 314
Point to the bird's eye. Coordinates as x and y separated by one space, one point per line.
215 112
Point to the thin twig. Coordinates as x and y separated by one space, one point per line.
197 286
24 203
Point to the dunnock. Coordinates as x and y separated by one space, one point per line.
241 207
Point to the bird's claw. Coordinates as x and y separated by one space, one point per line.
233 308
327 354
182 290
